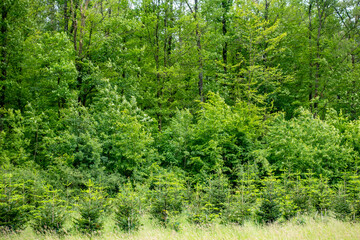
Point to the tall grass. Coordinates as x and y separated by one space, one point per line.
318 228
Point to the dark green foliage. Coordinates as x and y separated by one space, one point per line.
341 207
269 211
127 209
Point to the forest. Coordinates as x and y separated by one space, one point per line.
207 111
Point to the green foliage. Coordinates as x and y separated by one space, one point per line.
210 200
91 208
166 194
243 200
201 211
14 209
110 90
237 209
219 136
349 192
269 210
304 143
341 207
49 69
49 216
127 209
12 138
123 130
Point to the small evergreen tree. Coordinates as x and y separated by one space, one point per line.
211 199
13 206
50 213
166 196
269 210
127 209
92 206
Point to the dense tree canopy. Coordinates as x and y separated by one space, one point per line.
223 92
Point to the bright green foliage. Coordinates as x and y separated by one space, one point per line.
223 92
121 127
216 192
175 141
49 216
220 138
127 209
255 78
304 143
75 138
320 193
236 210
166 195
288 189
223 134
14 210
12 138
349 194
49 70
91 208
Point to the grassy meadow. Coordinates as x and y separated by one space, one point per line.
305 228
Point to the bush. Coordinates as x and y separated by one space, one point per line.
304 143
236 212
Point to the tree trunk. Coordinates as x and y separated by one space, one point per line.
310 55
3 72
66 17
200 61
225 7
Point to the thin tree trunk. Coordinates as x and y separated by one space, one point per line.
157 65
3 73
224 5
310 55
200 61
66 17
